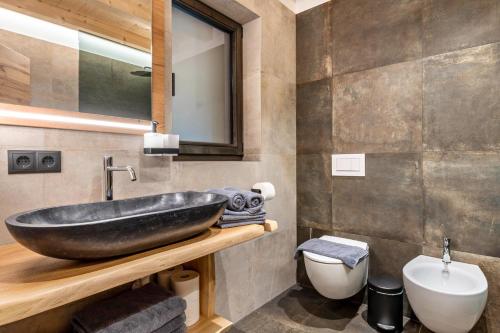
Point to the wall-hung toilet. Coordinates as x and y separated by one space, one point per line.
330 277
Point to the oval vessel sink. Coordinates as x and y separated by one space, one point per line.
445 301
113 228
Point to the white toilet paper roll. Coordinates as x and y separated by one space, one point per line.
165 276
186 284
266 189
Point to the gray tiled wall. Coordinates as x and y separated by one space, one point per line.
415 85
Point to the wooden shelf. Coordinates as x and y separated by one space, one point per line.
215 324
31 283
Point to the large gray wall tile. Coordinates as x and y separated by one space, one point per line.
373 33
314 190
379 110
461 100
456 24
314 117
387 203
314 61
463 200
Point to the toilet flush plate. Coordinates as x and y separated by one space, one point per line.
348 165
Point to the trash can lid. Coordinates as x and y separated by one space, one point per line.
385 284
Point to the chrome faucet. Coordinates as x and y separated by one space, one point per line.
446 250
107 188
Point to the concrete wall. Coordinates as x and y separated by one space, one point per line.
247 275
414 85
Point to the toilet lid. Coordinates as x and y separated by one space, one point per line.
328 260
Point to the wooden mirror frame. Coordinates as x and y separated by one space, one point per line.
31 116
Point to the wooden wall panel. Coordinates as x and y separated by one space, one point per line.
158 81
14 77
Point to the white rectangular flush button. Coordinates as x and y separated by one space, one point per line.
348 165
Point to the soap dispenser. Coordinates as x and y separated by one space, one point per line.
158 144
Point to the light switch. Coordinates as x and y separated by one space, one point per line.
352 165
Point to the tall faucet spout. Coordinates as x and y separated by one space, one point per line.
108 176
128 168
131 172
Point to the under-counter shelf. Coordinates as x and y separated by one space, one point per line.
31 283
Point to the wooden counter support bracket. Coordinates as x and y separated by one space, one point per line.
31 284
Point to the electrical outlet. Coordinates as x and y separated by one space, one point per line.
48 161
32 161
21 161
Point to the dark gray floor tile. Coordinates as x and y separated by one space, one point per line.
303 310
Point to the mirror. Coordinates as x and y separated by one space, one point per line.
87 56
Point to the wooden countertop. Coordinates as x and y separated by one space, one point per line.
31 283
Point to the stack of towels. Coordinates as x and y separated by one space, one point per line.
243 207
149 309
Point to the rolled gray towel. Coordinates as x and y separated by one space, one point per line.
142 310
348 254
175 325
253 201
236 200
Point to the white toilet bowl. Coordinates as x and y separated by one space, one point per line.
330 277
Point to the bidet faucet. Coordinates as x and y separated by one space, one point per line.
446 250
107 193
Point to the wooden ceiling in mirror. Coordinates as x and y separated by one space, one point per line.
136 23
123 21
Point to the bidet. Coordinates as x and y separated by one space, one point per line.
446 297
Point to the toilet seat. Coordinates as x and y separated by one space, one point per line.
328 260
330 277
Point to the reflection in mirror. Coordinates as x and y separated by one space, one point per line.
201 61
91 59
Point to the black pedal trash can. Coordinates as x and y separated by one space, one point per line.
385 303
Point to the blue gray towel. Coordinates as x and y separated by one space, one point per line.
229 214
235 219
142 310
182 329
176 325
348 254
236 200
239 223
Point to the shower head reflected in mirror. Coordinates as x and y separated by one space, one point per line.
146 72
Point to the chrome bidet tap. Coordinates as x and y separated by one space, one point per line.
446 250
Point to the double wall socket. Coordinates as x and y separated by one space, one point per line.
34 161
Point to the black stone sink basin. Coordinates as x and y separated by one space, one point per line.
114 228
